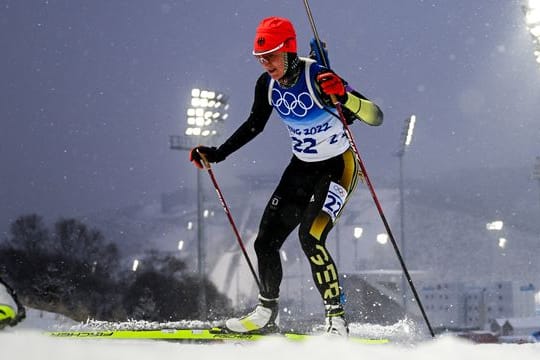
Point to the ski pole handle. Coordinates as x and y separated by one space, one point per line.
204 160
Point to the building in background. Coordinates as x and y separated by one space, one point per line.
458 305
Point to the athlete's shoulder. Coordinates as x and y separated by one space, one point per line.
263 80
262 89
314 66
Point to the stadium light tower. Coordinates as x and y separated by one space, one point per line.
495 226
536 170
531 9
357 233
205 116
406 140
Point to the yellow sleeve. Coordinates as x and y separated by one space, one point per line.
6 312
364 110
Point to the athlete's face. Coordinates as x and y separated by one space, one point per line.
273 64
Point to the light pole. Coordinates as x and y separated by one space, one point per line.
536 170
205 115
406 140
380 248
496 225
531 9
357 233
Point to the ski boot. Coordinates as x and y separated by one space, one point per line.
263 320
335 321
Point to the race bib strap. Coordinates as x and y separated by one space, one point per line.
309 82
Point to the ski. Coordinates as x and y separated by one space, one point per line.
197 335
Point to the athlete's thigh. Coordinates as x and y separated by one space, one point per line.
287 205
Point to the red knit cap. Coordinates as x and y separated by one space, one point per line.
274 34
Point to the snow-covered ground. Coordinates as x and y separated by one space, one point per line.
27 342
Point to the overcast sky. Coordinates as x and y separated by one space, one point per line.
91 90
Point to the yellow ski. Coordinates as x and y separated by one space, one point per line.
194 335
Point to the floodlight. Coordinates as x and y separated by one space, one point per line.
495 225
410 130
532 16
202 114
406 135
533 4
382 238
199 121
531 9
535 31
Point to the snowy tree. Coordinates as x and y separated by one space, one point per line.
29 233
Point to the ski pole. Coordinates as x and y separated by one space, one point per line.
229 216
382 216
366 177
316 34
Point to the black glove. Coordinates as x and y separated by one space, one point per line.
212 154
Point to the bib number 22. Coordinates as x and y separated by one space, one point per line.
305 145
335 199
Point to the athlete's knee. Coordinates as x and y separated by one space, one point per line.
264 245
260 246
308 244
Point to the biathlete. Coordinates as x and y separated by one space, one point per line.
319 179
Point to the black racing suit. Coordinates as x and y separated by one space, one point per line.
298 200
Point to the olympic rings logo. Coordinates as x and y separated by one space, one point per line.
340 190
287 103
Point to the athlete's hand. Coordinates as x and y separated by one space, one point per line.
6 315
10 316
331 84
211 154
